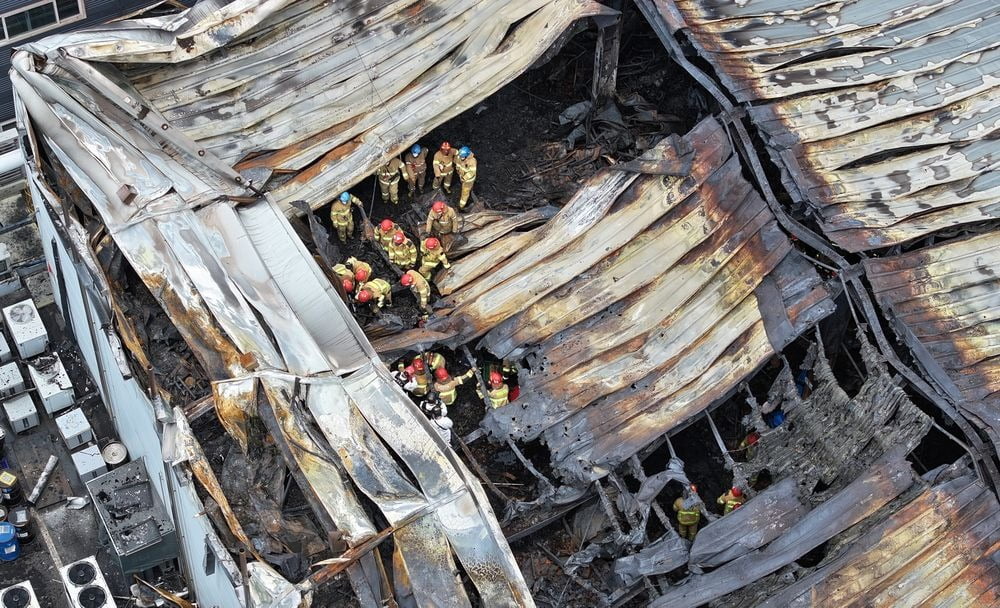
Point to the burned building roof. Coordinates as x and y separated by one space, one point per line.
880 114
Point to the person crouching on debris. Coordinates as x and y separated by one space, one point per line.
499 392
362 270
465 166
388 180
415 165
402 252
345 276
342 216
446 386
688 508
419 286
376 291
444 167
421 377
431 254
732 499
404 377
443 222
384 232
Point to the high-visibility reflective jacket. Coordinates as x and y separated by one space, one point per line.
340 213
448 390
403 255
688 511
730 502
391 171
432 359
466 168
385 238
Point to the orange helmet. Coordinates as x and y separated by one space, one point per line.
445 146
364 296
441 374
418 364
360 275
398 238
438 207
406 279
495 378
432 243
386 225
737 492
347 284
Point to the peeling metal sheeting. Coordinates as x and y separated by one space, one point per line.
941 549
641 303
881 114
944 302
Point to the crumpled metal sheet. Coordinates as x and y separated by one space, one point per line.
880 114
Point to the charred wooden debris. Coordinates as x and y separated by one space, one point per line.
795 295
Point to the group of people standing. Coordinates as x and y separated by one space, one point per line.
412 167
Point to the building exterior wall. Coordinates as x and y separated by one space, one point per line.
132 413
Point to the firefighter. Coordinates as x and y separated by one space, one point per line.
341 215
746 446
444 167
402 252
443 222
421 377
388 180
404 377
384 232
732 499
446 386
434 361
415 169
688 508
431 254
419 286
362 270
498 393
346 277
376 291
465 166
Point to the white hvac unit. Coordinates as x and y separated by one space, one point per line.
89 463
85 585
11 380
74 428
21 412
55 390
21 595
5 354
26 328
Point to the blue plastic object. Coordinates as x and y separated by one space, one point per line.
10 549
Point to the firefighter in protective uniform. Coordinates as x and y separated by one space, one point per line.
415 169
384 231
465 166
434 361
444 223
376 291
402 252
431 254
444 167
732 499
499 393
419 286
342 215
388 180
346 277
362 270
688 508
447 387
421 377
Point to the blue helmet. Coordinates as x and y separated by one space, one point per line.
464 152
345 197
415 150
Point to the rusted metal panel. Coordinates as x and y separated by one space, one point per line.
880 113
945 301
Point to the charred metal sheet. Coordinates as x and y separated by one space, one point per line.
480 236
944 301
941 549
883 482
880 114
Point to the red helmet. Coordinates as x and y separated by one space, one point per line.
360 274
694 489
441 374
418 364
406 279
445 146
364 296
737 492
386 225
432 243
409 371
347 284
398 238
495 378
438 207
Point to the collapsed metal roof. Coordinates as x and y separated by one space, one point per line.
880 114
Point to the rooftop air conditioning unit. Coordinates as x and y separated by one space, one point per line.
21 595
26 328
85 585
